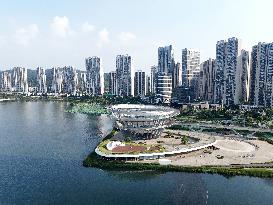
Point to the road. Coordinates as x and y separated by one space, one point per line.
227 126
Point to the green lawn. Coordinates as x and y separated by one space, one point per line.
88 108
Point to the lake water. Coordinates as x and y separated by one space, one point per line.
41 153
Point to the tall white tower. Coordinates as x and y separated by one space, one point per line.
94 76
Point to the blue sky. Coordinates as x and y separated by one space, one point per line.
57 33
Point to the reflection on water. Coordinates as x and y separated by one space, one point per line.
41 153
132 176
187 187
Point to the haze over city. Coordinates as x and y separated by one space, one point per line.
63 33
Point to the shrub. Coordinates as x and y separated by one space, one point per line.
184 140
179 127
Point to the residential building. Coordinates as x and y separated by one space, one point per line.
19 80
219 72
139 80
123 74
153 79
6 81
261 75
231 64
106 77
57 80
113 83
242 78
231 75
165 60
164 74
41 80
206 80
148 85
190 66
177 76
94 76
81 81
70 80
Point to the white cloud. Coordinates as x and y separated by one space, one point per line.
86 27
103 37
60 26
126 36
24 35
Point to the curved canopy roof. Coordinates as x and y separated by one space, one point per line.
135 112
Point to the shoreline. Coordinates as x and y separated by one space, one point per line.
263 170
256 170
93 160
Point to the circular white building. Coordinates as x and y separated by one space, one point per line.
143 121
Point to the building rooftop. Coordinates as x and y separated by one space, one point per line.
134 112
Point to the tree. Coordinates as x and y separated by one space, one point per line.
184 140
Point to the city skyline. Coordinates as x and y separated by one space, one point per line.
136 102
225 80
29 39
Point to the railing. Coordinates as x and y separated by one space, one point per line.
141 155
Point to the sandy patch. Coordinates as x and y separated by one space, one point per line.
234 146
